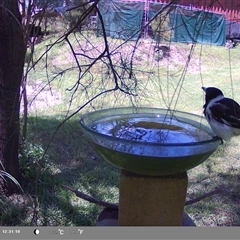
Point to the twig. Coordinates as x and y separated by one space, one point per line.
115 206
91 199
197 199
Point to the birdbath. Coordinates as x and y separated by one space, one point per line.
153 148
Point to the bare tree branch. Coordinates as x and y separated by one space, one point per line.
91 199
197 199
115 206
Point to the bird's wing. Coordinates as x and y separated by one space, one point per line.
226 111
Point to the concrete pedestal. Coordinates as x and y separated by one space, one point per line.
151 201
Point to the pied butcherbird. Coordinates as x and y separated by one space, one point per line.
222 114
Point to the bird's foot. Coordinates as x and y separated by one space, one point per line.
219 138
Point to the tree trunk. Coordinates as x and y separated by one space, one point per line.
12 54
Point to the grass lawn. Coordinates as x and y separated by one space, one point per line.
57 89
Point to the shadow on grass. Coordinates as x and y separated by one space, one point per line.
223 208
69 161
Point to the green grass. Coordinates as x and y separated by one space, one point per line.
70 160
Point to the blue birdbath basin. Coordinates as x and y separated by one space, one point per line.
154 148
150 141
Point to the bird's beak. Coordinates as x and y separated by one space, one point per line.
204 89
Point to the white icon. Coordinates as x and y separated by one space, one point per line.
36 231
80 231
61 232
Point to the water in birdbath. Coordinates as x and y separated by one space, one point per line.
153 130
160 129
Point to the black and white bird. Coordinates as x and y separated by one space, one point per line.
222 114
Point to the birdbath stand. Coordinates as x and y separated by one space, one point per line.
153 148
151 201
